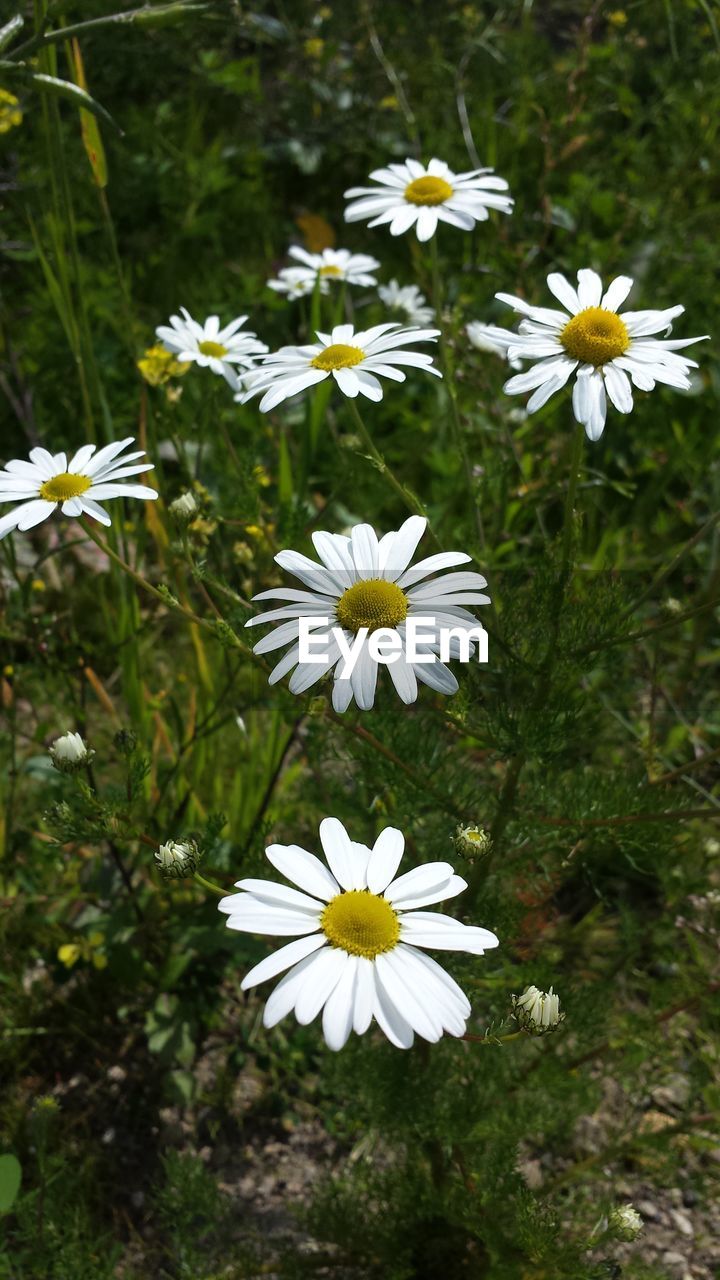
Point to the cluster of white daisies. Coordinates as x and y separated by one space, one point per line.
359 931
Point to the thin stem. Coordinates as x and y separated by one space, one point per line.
409 499
208 884
449 383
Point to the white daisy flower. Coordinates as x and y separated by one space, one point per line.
296 282
409 300
607 350
69 753
336 264
353 360
224 351
362 582
358 930
491 339
78 486
410 194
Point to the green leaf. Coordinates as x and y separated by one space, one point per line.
10 1179
10 29
73 93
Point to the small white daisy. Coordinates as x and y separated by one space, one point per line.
491 339
358 930
410 194
607 350
364 581
353 360
49 480
224 351
337 264
409 300
296 282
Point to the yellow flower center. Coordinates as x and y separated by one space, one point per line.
208 348
373 603
64 486
361 923
428 191
595 336
338 356
330 271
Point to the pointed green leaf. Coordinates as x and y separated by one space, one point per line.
10 30
73 93
10 1178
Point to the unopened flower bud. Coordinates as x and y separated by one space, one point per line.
69 753
471 842
184 509
177 859
125 741
537 1011
625 1222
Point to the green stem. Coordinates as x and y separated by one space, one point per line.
449 382
208 884
407 497
506 803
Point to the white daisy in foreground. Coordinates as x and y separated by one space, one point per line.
607 350
78 486
337 264
224 351
364 584
410 195
358 929
491 339
353 360
296 282
409 300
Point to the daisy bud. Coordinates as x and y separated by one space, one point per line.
69 753
471 842
625 1222
183 509
537 1011
177 859
125 741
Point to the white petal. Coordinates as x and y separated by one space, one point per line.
337 847
449 889
389 1019
326 973
338 1012
418 1010
281 895
364 995
282 959
564 292
618 388
32 513
402 674
304 869
616 293
420 880
365 551
404 545
589 288
433 564
385 859
364 679
283 998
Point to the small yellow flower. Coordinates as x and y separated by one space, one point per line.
158 366
314 47
388 103
69 954
261 477
38 584
617 18
10 113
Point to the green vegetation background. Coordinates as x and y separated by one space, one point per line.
122 1008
